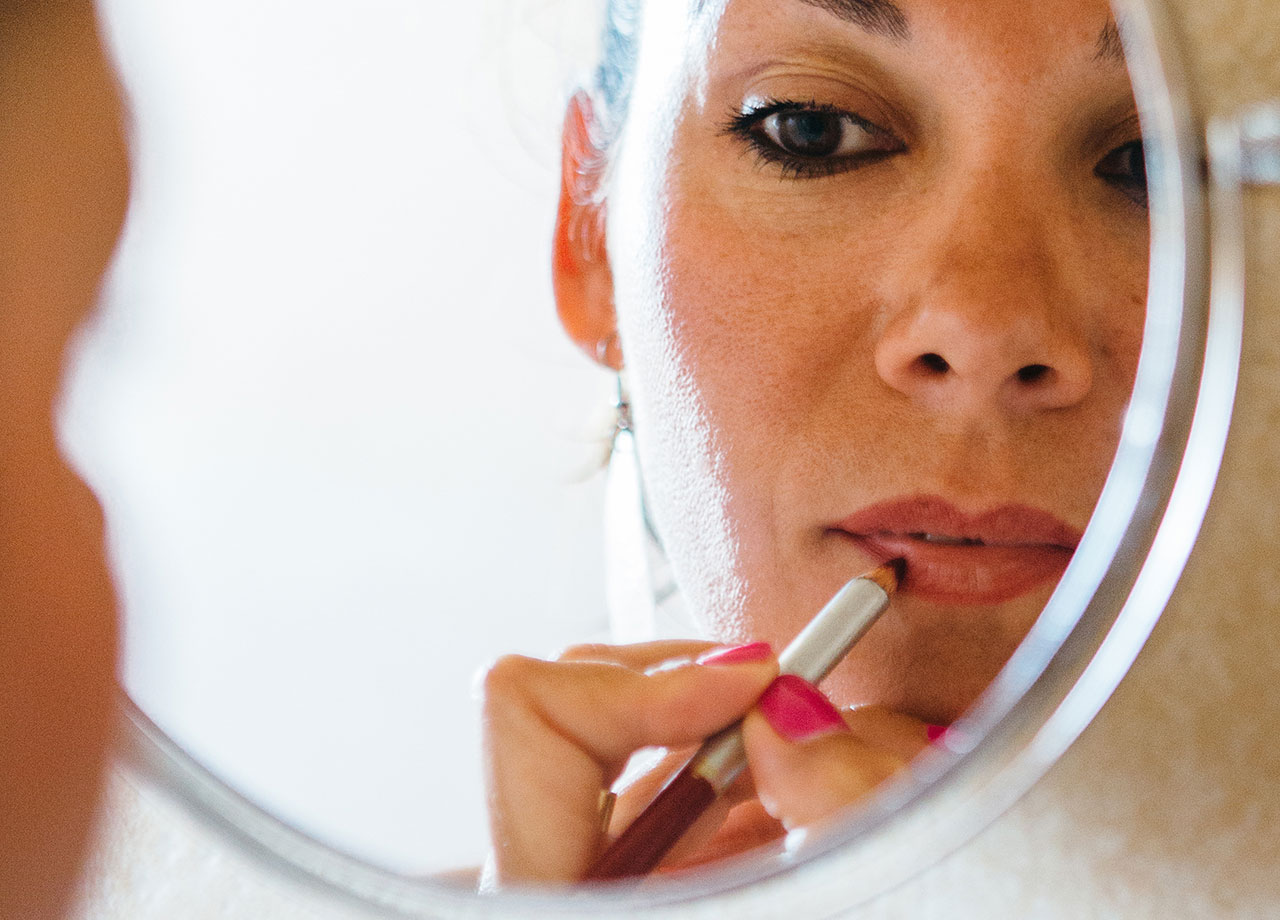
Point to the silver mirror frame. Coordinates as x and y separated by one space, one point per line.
1118 583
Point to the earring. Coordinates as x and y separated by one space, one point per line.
621 411
638 565
622 426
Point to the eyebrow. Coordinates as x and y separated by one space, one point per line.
882 17
1108 48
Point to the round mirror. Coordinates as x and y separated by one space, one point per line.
346 454
837 283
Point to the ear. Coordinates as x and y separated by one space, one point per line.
581 277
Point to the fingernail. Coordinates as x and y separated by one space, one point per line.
738 654
798 711
934 732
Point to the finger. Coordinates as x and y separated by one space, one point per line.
692 848
736 829
806 763
645 775
651 769
639 656
738 821
556 734
611 711
900 734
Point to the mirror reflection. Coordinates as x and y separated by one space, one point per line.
862 279
873 275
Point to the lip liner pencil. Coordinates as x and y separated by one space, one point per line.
812 655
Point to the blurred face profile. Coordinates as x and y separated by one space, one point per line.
63 188
877 273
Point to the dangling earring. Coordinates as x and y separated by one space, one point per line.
621 415
621 405
664 615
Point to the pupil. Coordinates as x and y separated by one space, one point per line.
811 134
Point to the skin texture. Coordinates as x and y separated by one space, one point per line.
778 327
63 190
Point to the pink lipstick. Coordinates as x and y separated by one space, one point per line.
955 557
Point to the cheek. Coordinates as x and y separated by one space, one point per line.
769 349
768 321
1127 327
737 337
1113 275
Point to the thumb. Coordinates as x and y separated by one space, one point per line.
805 762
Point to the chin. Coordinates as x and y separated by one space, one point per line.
933 661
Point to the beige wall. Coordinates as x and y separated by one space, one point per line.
1169 806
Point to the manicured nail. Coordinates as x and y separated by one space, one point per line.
798 711
738 654
934 732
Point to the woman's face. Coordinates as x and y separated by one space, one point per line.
879 274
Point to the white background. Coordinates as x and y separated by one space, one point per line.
344 448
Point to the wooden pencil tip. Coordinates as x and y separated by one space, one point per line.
889 575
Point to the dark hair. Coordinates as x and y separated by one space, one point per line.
617 67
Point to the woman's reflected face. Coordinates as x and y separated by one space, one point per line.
879 273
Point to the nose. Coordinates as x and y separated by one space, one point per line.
985 316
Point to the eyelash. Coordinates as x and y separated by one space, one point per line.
747 126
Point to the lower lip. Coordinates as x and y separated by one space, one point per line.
966 574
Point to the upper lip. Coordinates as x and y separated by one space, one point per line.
1008 525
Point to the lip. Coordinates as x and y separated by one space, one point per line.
1012 548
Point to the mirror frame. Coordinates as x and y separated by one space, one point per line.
1114 590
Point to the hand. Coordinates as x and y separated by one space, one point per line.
557 735
809 760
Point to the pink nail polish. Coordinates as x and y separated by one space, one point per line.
738 654
798 711
934 732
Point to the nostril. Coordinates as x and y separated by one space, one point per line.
933 363
1032 373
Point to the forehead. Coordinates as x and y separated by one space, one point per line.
1044 53
990 31
1005 29
1051 65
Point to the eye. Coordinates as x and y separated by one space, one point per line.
816 133
1126 169
811 139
